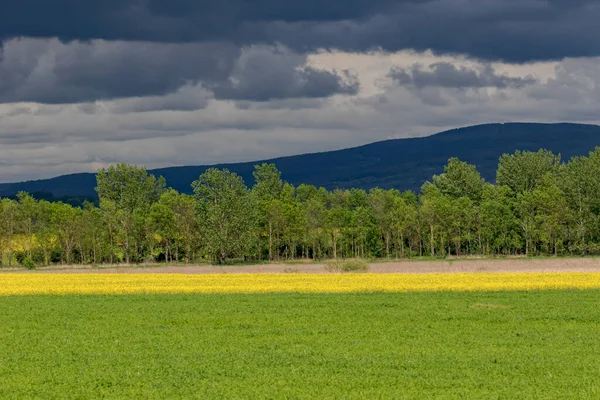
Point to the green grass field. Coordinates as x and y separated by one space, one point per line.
413 345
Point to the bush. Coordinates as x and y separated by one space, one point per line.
20 256
355 265
29 263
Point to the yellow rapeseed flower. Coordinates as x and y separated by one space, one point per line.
39 283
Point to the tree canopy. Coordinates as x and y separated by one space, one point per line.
539 205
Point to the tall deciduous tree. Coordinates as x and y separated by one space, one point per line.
226 213
460 180
522 170
498 220
579 181
552 214
382 202
10 226
124 190
266 190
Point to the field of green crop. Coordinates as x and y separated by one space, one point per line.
538 344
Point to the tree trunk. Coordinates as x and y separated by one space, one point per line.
402 245
431 240
334 238
68 255
270 241
387 244
81 254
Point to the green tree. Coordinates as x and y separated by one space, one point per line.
404 218
579 182
124 190
522 170
460 180
9 226
461 222
315 211
67 221
47 232
431 211
526 213
164 222
266 190
499 223
28 216
552 214
94 228
226 213
382 202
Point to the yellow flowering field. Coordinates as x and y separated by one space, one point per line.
39 283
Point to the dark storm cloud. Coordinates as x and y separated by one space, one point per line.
263 74
174 20
52 72
509 30
447 75
49 71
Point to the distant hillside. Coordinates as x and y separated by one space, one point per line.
400 163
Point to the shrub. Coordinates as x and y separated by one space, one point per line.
29 263
353 265
20 256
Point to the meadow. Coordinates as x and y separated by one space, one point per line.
403 344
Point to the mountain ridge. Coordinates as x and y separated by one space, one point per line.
394 163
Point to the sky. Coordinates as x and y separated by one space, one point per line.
89 83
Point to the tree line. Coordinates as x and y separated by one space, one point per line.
538 205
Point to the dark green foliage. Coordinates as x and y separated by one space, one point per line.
364 346
523 170
226 213
29 263
460 180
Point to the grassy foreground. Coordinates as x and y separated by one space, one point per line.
521 344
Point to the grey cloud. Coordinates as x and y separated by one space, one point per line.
282 104
187 98
50 71
175 20
576 82
510 30
264 74
496 30
53 72
447 75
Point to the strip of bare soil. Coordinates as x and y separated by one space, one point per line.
411 267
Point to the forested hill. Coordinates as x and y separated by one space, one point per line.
400 163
